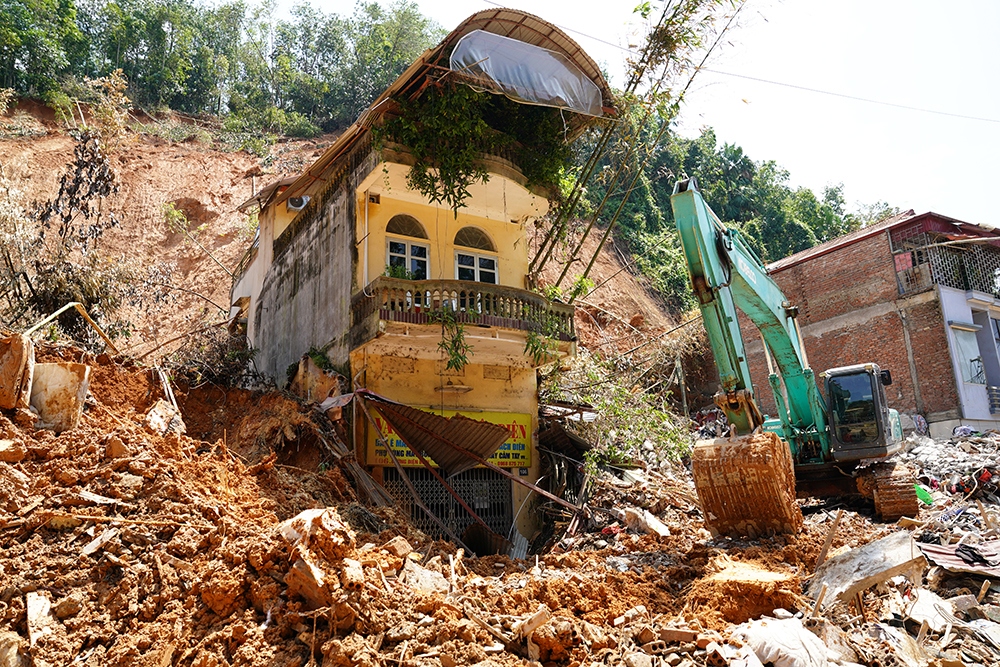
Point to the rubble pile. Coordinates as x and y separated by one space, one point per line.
231 535
967 464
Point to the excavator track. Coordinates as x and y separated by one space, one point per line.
746 485
890 485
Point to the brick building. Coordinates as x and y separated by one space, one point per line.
916 294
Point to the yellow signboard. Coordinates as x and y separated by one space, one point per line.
514 453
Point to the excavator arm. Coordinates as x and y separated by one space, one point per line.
726 274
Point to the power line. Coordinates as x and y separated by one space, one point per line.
851 97
783 84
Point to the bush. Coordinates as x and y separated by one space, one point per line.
217 357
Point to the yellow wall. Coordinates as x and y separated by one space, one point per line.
414 381
282 218
441 226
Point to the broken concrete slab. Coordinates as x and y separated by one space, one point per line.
925 608
837 642
851 572
17 363
398 546
644 521
39 615
308 581
14 486
58 392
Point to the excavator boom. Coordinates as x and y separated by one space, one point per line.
746 482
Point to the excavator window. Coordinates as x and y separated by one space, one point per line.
852 402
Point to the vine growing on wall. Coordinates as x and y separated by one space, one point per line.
450 126
453 342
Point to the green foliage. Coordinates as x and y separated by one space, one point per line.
633 423
175 218
320 358
453 343
399 272
755 197
450 126
445 131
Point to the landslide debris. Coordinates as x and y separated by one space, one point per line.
242 542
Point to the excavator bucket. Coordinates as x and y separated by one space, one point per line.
746 485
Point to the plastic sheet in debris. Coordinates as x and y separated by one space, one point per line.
525 72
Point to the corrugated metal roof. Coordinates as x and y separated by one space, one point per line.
944 555
839 242
441 438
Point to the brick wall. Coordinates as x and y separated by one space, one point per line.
850 312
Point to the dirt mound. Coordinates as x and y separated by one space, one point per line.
742 590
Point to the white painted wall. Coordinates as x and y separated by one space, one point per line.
974 401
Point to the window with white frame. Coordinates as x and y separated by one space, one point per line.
475 256
406 258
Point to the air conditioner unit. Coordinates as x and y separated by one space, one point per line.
296 203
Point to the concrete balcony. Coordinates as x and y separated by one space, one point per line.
388 301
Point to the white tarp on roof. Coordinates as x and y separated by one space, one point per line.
526 73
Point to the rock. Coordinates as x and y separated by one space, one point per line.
644 635
14 486
672 659
13 650
782 613
69 605
320 530
114 448
596 638
424 580
306 580
639 660
854 571
164 418
12 451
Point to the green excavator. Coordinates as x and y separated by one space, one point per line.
748 479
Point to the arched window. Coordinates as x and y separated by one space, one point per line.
404 258
405 225
473 237
477 266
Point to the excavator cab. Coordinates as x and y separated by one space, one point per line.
861 423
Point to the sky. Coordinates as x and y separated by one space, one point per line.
931 56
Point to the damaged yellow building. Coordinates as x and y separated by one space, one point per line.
352 261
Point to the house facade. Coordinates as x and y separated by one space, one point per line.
412 300
917 294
